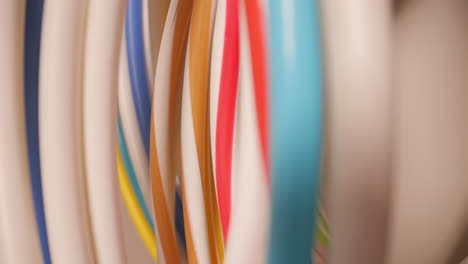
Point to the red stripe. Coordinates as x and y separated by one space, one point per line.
226 113
256 25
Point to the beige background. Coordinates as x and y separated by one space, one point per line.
430 210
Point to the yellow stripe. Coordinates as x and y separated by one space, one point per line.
135 211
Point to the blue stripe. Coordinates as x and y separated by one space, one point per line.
137 69
31 90
296 128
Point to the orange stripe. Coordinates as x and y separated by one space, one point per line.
200 31
164 210
198 72
163 218
215 208
182 24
